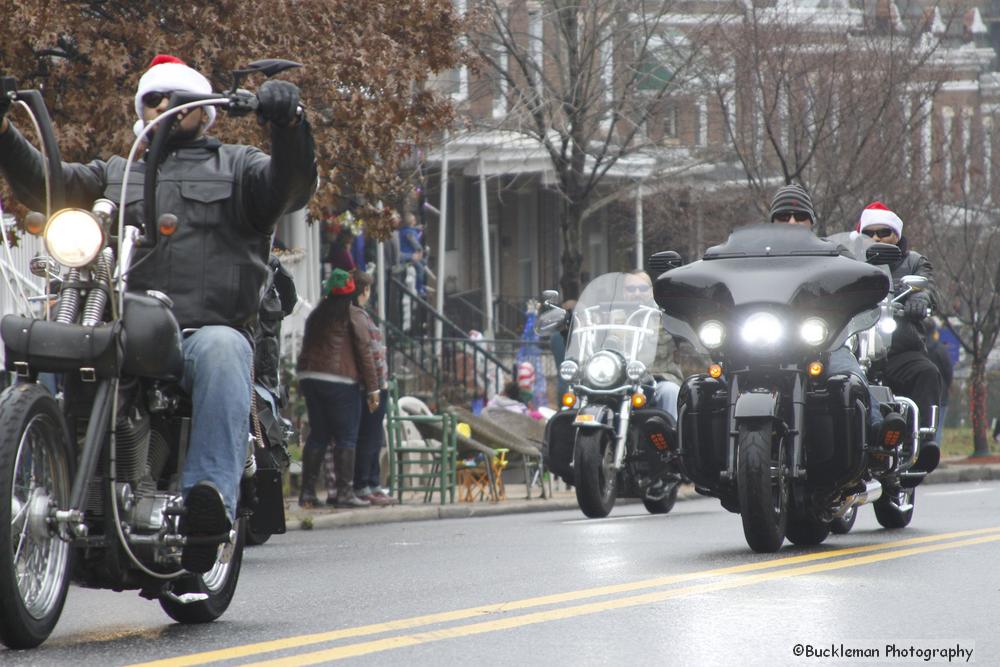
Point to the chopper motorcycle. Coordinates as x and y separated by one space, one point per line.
767 431
608 441
90 479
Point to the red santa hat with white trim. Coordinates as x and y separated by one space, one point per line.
167 74
878 213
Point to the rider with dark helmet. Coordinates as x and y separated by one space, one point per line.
228 199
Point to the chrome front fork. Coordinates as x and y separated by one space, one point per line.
622 439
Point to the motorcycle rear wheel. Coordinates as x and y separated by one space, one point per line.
596 478
887 511
843 525
807 531
35 477
219 584
255 539
762 485
664 504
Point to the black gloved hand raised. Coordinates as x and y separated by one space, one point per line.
916 307
279 102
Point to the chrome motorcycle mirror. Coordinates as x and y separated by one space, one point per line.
915 283
550 295
550 321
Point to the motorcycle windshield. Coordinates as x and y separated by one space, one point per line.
777 267
616 312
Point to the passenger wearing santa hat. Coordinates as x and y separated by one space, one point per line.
909 370
792 204
227 199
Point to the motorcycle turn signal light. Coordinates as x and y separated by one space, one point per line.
715 371
638 400
568 399
34 223
815 369
167 224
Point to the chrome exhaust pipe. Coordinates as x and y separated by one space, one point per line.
872 492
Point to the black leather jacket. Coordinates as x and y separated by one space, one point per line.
909 334
227 199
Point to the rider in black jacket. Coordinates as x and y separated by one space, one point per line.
228 199
909 370
792 204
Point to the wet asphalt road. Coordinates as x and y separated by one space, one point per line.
629 589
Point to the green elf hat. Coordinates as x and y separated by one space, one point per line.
339 282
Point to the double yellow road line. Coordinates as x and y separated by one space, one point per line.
719 579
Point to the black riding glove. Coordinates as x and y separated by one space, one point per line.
279 102
916 307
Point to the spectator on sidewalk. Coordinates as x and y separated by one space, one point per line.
411 251
510 399
335 368
371 435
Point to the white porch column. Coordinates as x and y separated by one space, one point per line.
442 234
487 263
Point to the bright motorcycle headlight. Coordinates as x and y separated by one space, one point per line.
568 370
814 331
762 329
635 370
603 369
712 334
73 237
887 325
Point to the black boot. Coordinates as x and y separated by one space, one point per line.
929 457
343 460
312 459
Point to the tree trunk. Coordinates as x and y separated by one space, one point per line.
977 408
572 258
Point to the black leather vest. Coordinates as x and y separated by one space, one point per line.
214 266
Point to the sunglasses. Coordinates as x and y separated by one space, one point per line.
881 233
638 289
788 215
152 99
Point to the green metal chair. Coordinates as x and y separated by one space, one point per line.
421 468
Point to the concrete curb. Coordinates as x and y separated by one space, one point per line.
328 518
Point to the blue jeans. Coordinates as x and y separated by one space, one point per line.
217 371
334 413
371 437
665 397
843 361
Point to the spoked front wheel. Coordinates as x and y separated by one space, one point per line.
35 479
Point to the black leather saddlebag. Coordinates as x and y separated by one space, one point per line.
34 346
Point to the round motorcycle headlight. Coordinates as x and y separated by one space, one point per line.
603 369
814 331
712 334
887 325
568 369
635 370
73 237
762 329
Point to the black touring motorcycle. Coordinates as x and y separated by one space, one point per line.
89 482
767 431
609 441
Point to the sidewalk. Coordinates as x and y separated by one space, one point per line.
950 471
